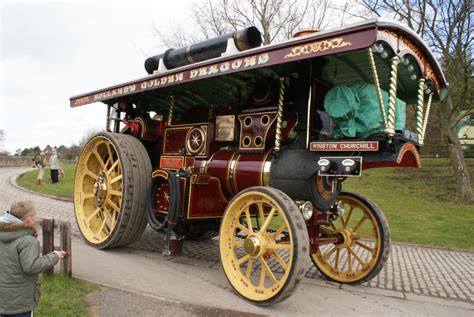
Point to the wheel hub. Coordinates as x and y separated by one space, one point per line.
347 235
100 190
252 245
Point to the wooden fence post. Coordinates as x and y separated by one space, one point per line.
48 240
65 240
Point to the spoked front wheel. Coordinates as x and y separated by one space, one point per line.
263 245
110 188
354 248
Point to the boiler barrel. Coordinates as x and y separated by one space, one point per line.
201 51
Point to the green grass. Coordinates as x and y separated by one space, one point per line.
62 189
420 204
63 296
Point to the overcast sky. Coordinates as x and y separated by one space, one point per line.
53 50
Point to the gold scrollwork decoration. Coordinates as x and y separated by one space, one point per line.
319 46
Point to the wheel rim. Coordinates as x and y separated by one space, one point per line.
98 190
257 258
351 245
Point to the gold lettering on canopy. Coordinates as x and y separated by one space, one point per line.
319 46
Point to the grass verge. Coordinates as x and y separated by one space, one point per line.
63 296
62 189
420 204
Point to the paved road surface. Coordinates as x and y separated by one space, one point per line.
416 280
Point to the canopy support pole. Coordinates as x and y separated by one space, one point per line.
419 110
377 88
281 99
425 121
171 101
392 99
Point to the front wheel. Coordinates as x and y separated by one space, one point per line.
110 188
263 245
357 243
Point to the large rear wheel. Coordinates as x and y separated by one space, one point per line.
263 245
112 177
357 243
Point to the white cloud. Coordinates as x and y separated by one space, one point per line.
51 51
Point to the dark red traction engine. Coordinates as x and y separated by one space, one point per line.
254 144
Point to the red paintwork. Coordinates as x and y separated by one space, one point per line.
218 166
407 157
247 172
206 198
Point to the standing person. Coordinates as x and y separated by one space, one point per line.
40 164
54 166
20 261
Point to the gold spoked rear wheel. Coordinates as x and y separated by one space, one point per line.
101 185
263 240
356 245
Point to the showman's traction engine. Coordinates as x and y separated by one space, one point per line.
253 144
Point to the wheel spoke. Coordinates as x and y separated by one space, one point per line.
115 192
93 215
268 270
267 220
238 243
111 156
102 226
260 212
279 230
349 259
99 159
363 235
280 260
262 276
249 269
116 179
243 259
360 244
113 205
359 224
279 246
243 228
336 264
249 220
328 254
86 196
349 216
112 168
356 256
111 218
89 173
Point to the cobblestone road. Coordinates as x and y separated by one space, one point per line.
409 270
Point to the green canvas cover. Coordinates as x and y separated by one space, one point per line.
355 112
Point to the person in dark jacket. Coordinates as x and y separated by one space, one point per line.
20 261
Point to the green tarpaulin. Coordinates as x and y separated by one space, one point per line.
355 112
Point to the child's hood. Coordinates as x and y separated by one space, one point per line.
10 231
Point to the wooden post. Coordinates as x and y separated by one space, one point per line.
65 240
48 240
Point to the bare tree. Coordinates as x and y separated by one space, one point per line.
447 26
276 19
